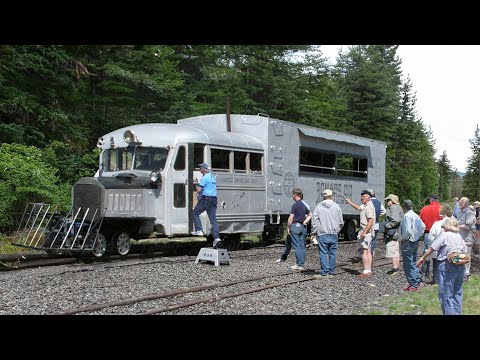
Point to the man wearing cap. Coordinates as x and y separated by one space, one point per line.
411 229
429 215
366 232
327 223
379 211
391 228
207 188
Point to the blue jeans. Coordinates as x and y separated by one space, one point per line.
409 253
450 281
208 204
298 233
287 248
327 249
426 264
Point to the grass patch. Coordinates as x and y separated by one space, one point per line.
425 301
6 246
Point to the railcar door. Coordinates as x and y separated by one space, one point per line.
179 201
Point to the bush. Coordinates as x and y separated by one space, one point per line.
26 177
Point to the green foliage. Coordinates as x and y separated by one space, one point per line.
425 301
62 98
34 82
471 180
26 177
445 176
71 165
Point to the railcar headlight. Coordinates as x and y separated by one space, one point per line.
129 136
154 177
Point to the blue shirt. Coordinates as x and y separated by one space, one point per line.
209 185
411 227
299 211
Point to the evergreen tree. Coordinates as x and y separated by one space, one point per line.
410 164
445 174
456 188
471 180
370 81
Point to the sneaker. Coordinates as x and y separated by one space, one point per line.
319 276
392 271
296 267
280 260
314 242
219 245
412 289
363 275
406 288
197 233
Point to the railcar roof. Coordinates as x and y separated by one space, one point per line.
156 134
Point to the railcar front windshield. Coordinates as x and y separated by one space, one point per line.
134 158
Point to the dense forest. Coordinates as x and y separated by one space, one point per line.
55 101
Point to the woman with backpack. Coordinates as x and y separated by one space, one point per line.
450 246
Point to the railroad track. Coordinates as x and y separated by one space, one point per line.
342 268
33 260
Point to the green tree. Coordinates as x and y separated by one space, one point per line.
445 174
456 188
410 164
34 80
370 81
26 177
471 180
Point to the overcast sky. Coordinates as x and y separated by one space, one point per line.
446 79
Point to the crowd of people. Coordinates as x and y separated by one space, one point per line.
445 231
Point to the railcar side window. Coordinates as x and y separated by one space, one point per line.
240 162
220 160
180 160
327 162
179 198
348 165
315 161
198 154
256 163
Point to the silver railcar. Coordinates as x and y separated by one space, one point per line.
146 176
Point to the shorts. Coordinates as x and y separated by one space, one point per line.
392 249
365 243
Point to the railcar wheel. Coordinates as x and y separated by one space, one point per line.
121 243
100 247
